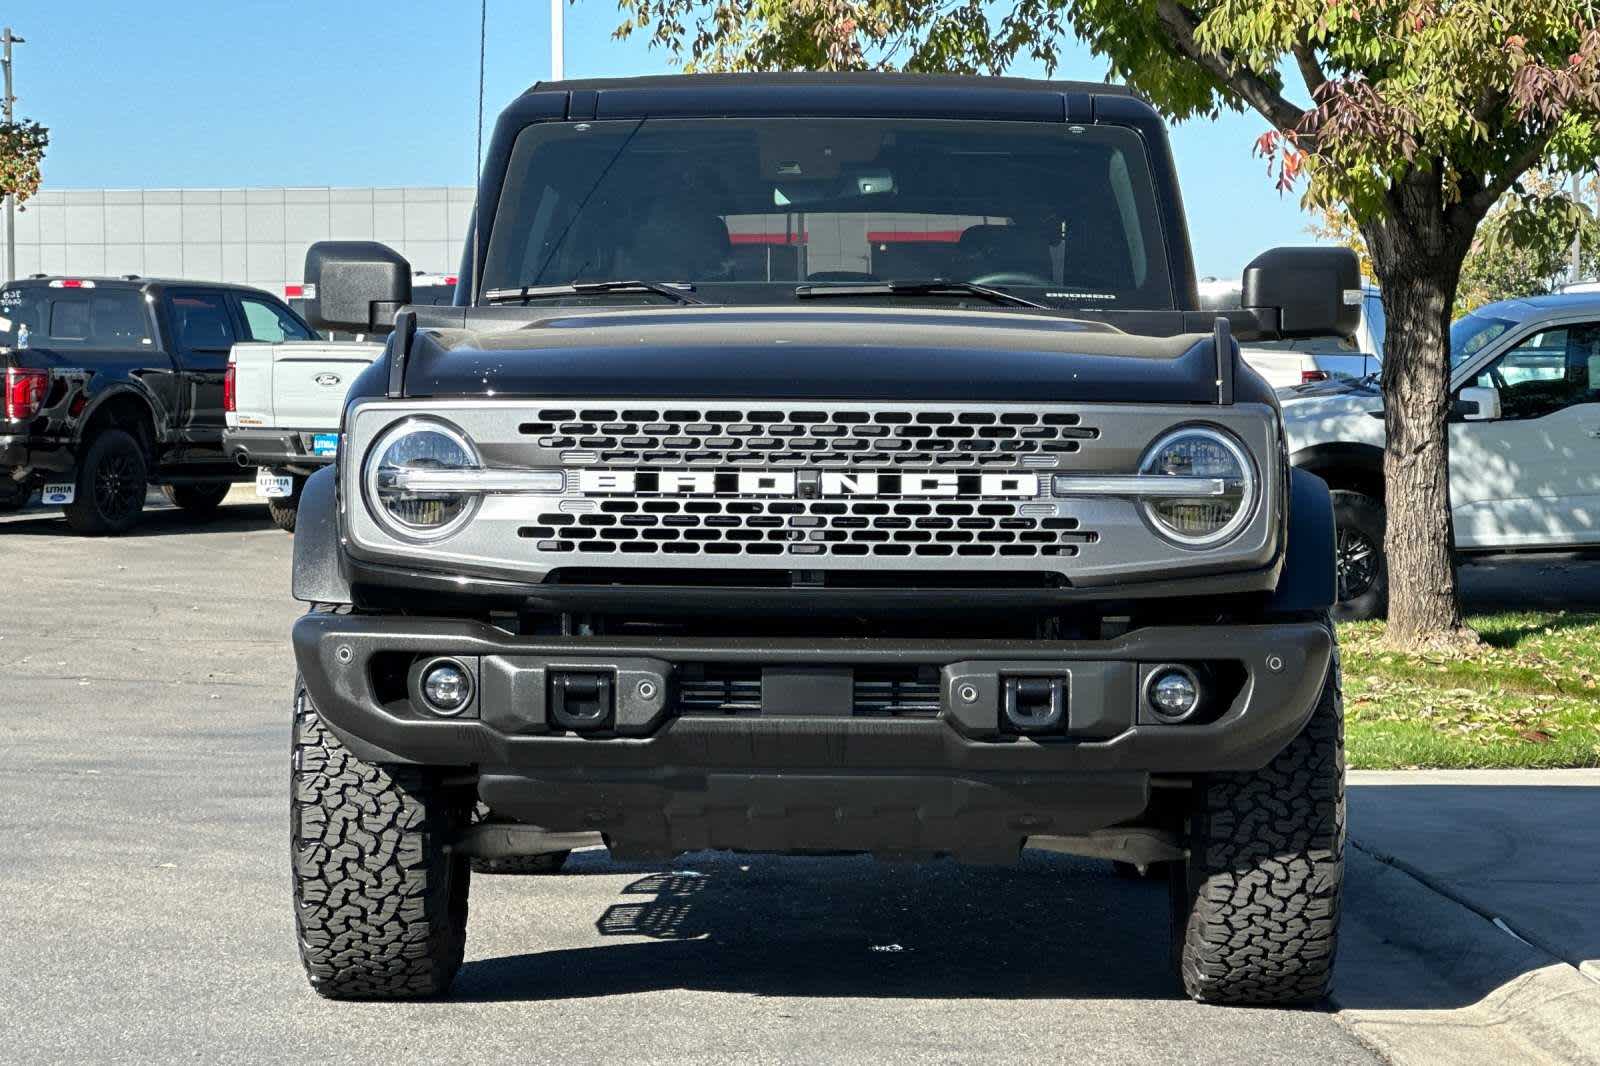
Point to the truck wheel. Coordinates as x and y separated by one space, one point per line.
380 901
200 501
285 509
112 480
1363 567
1256 904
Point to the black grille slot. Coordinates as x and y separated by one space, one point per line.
894 692
784 437
715 688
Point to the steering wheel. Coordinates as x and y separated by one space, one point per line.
1012 277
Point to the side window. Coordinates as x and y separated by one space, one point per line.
201 321
69 320
264 321
1546 372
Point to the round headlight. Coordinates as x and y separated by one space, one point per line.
1224 486
395 495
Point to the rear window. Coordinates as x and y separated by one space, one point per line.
73 319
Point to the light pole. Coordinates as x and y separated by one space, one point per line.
1577 236
557 43
10 39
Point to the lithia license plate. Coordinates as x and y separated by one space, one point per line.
273 486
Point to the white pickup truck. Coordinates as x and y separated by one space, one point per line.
283 403
1524 442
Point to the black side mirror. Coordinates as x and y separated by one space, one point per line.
355 286
1305 292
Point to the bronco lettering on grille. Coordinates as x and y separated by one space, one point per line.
805 484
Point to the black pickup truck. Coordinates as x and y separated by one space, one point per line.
115 384
820 463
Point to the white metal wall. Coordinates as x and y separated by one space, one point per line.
255 236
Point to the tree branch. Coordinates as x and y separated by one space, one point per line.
1310 69
1522 161
1255 90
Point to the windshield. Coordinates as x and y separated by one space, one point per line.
746 209
1470 333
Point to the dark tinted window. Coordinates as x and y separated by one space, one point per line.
201 321
73 319
746 208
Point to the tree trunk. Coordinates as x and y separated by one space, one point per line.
1418 254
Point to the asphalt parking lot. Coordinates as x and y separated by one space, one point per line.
143 775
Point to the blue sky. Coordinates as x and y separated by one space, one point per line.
360 92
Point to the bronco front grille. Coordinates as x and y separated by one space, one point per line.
885 529
828 487
815 437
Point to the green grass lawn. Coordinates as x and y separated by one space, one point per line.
1530 697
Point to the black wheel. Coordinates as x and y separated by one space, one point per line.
548 863
201 501
285 509
1363 567
380 901
1256 904
112 479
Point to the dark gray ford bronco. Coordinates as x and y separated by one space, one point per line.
818 463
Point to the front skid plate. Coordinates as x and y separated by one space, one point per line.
976 820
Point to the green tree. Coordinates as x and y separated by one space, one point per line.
22 146
1416 116
1523 246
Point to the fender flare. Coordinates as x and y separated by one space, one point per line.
112 393
1335 455
318 576
1309 581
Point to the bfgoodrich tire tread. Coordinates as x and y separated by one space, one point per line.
1258 900
380 903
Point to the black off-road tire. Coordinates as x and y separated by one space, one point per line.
286 509
380 900
198 501
548 863
1256 905
112 480
1361 520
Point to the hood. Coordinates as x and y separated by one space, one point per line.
850 353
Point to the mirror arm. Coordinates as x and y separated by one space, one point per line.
1227 357
405 328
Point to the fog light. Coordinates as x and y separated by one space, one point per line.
447 688
1173 693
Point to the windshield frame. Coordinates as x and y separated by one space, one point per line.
1164 254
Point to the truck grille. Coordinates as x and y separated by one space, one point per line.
808 437
792 527
879 691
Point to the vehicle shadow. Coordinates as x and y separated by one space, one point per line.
157 521
1532 582
1049 927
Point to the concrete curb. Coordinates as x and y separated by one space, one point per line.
1427 980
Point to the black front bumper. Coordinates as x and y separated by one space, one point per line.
661 781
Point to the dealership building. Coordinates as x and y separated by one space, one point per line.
252 236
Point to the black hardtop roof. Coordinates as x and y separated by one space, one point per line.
801 80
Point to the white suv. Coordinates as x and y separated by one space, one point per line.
1524 441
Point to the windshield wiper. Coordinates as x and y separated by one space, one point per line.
588 288
932 287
